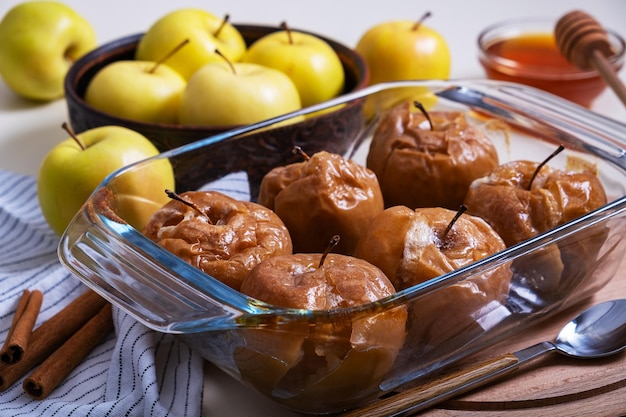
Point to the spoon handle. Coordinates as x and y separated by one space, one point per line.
434 392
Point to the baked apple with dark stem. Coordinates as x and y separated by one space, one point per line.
323 196
521 199
413 246
333 360
222 236
428 159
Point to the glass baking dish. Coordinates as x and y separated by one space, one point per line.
304 359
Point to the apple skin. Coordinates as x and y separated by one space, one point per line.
311 63
328 363
68 175
128 89
39 41
324 195
217 96
198 26
394 51
410 247
420 167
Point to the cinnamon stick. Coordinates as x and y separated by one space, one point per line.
60 364
51 334
22 326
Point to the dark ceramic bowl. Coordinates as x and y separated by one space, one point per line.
341 124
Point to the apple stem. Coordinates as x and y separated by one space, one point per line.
552 155
286 28
171 194
417 24
168 56
70 131
298 151
334 241
420 106
230 64
462 209
221 26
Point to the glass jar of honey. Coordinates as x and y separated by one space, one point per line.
524 51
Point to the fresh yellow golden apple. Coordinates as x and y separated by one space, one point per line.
219 94
206 33
310 62
39 41
403 50
137 90
75 167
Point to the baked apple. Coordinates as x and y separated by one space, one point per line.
413 246
323 196
518 209
422 163
222 236
329 360
521 199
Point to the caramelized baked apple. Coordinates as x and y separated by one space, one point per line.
428 164
521 199
339 360
323 196
222 236
518 209
413 246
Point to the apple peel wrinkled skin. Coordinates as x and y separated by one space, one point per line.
517 213
227 241
420 167
342 360
324 196
408 246
503 199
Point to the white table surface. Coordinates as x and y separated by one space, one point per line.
28 130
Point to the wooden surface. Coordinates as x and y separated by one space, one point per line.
553 385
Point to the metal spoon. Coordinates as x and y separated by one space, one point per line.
599 331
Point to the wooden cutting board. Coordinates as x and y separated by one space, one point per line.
553 385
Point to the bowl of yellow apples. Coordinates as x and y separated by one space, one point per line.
176 84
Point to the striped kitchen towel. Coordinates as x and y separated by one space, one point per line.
134 372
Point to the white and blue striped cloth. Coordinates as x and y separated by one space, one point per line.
134 372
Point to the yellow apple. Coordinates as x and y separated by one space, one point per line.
310 62
138 90
74 168
224 94
404 50
39 41
206 33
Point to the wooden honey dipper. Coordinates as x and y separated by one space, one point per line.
585 43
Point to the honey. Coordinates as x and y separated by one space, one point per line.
533 59
533 50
